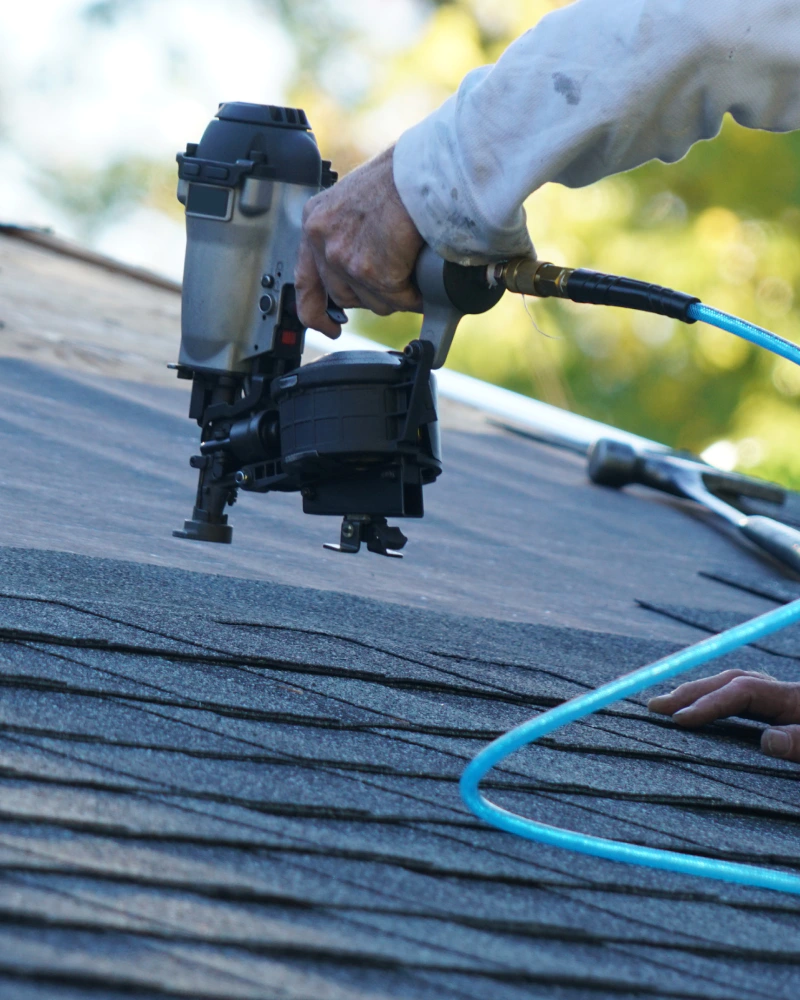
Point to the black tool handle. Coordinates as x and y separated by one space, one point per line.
778 539
335 312
610 290
613 463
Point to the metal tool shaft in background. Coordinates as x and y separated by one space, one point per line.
613 463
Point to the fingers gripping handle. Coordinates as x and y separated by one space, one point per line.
449 291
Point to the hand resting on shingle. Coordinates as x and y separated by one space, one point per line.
745 693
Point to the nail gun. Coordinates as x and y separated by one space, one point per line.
354 432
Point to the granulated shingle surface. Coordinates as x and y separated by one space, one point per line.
216 787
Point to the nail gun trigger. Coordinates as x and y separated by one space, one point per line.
335 312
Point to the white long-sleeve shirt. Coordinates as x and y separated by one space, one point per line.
597 87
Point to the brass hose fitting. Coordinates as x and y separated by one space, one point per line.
533 277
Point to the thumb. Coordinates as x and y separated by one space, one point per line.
783 742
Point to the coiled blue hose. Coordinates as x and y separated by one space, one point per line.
585 704
670 666
748 331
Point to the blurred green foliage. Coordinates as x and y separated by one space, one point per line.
723 224
95 198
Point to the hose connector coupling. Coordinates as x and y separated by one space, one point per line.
537 277
527 276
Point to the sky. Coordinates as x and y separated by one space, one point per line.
79 94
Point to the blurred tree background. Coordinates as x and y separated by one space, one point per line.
723 224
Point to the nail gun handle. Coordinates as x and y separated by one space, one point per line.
778 539
449 291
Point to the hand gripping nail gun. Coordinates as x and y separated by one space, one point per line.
354 432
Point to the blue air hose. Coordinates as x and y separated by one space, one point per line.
586 704
748 331
608 290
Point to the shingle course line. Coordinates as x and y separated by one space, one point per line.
693 803
284 949
520 928
107 829
235 892
214 649
105 981
537 932
548 791
264 756
239 661
531 700
483 685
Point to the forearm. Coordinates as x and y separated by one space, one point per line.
596 88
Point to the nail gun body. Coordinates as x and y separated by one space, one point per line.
244 187
355 432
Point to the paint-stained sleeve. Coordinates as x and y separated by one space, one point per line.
595 88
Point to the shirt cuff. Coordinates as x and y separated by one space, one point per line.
433 187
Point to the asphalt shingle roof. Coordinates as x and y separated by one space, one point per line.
232 771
